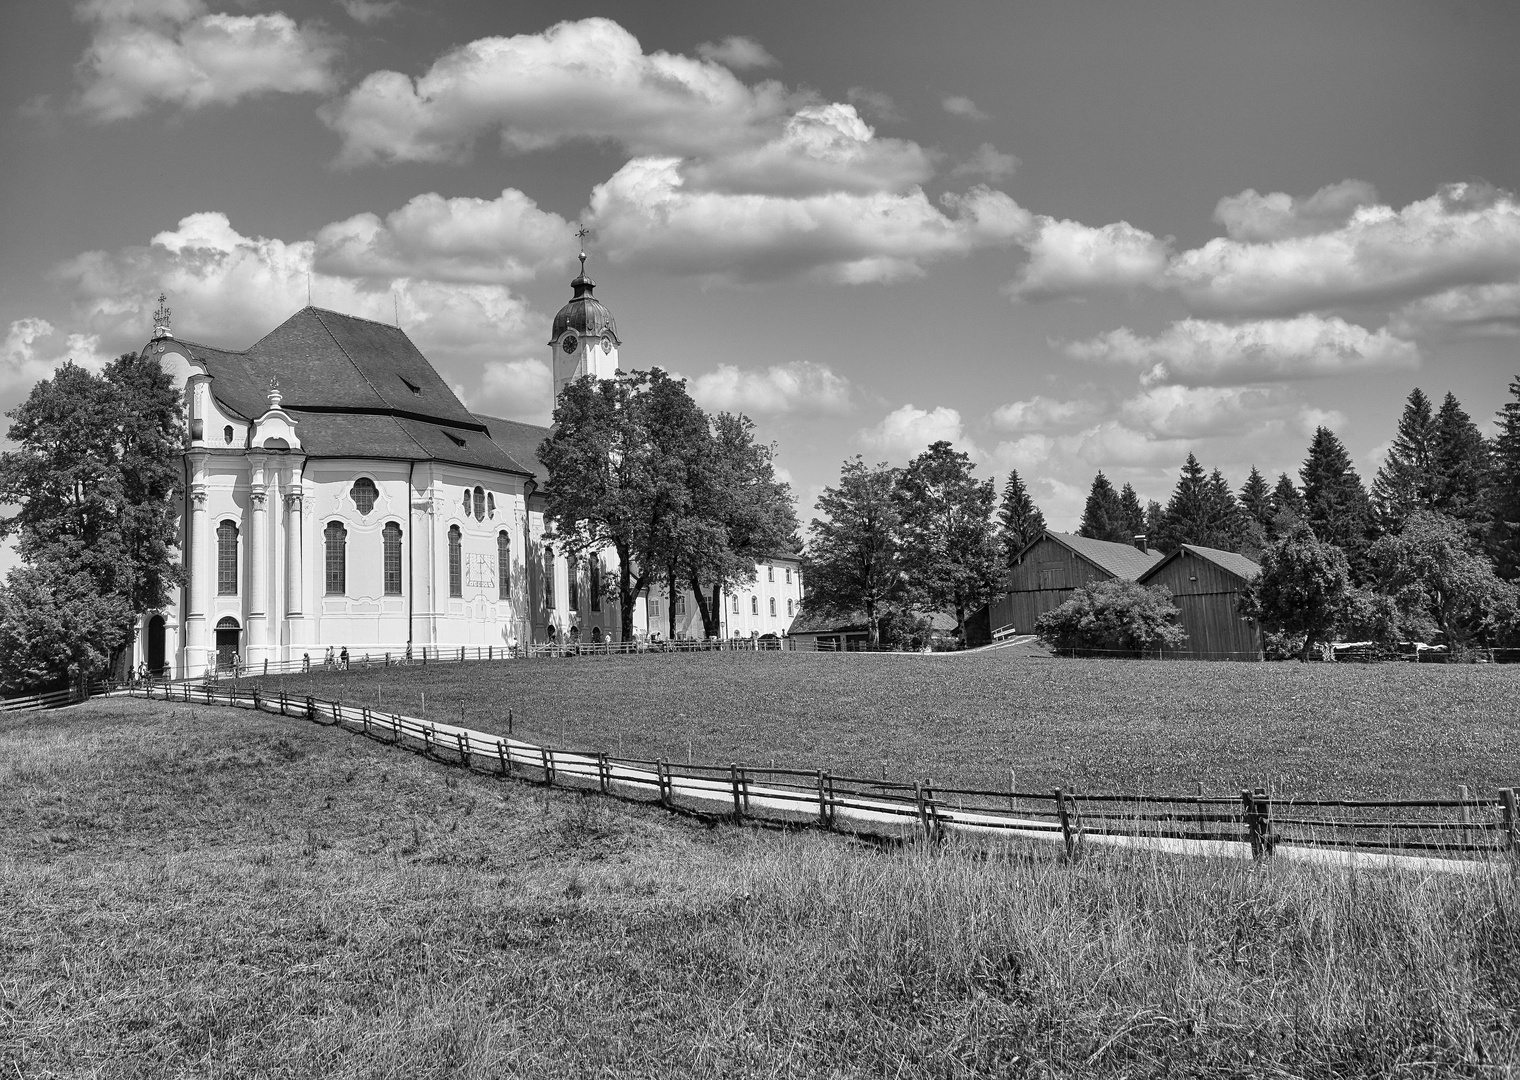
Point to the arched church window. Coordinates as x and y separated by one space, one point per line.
391 539
227 559
456 562
227 434
491 505
548 579
480 503
773 607
364 493
754 605
596 582
335 540
469 502
573 573
503 566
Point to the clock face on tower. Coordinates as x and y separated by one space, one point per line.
606 344
568 344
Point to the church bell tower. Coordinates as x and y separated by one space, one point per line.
584 338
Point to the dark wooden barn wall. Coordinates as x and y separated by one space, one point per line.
1206 595
1041 582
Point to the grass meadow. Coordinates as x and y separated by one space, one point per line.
1306 730
196 891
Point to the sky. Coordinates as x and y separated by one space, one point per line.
1067 236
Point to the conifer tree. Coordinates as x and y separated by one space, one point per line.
1336 505
1155 523
1406 482
1287 506
1103 516
1503 490
1226 521
1460 461
1185 520
1134 514
1019 519
1256 514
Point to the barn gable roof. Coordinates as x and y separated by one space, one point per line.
1118 560
1230 562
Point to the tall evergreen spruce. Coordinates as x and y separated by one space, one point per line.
1134 513
1103 516
1336 505
1460 460
1406 482
1503 492
1288 506
1185 520
1155 523
1256 515
1020 521
1226 520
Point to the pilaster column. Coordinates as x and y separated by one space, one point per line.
258 574
295 588
197 548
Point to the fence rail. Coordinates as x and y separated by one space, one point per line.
1253 823
53 699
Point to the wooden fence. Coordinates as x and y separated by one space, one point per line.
1444 832
53 699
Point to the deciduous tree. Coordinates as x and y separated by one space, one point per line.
1112 617
949 553
852 558
1304 588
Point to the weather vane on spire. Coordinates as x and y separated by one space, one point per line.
583 234
161 318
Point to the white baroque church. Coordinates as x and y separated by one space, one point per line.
339 495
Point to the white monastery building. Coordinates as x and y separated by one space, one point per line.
339 495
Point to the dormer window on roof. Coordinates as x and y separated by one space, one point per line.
413 387
455 439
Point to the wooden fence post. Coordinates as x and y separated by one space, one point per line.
1253 825
604 772
1065 817
427 739
1465 812
257 706
364 712
501 757
923 812
1264 822
733 779
548 759
464 747
823 807
311 708
1507 800
395 727
662 774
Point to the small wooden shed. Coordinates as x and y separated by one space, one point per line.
1046 572
1206 584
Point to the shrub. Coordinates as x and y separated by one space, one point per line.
1112 617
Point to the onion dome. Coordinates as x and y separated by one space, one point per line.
585 315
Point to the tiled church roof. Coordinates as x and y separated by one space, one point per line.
520 442
356 388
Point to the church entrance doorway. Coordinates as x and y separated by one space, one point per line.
156 645
227 642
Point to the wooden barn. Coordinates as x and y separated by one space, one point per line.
1206 585
1045 573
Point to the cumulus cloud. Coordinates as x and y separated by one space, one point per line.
585 80
646 214
737 53
798 387
1068 259
1470 311
1253 217
1198 352
1197 412
174 52
909 431
513 389
876 103
987 162
366 12
505 240
964 107
1464 235
821 148
1040 413
228 289
33 350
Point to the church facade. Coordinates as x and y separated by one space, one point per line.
339 495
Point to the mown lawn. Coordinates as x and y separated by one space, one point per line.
1091 725
209 892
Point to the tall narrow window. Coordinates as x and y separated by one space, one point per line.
770 573
736 604
678 605
226 558
773 607
456 562
596 583
391 535
335 537
469 502
754 605
548 579
480 503
788 575
788 607
503 566
364 493
491 505
574 590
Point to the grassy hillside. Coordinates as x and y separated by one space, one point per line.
200 891
1317 729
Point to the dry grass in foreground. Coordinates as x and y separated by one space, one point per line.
198 891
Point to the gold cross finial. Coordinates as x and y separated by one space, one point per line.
161 317
583 234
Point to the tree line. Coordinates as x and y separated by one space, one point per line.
1429 553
